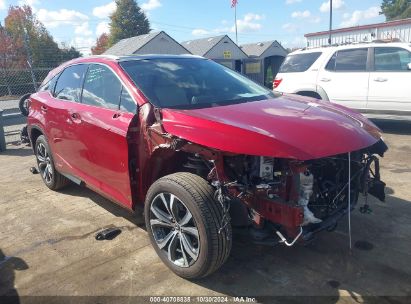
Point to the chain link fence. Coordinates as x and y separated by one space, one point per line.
15 83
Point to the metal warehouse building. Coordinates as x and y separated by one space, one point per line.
220 49
392 30
153 43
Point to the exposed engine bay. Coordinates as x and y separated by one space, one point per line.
291 197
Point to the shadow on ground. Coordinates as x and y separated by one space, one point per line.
320 270
394 127
18 150
8 266
134 217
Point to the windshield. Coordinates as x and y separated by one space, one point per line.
185 83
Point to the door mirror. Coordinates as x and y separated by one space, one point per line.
409 66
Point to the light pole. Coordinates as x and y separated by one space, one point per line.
331 21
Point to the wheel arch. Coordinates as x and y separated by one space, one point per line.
34 133
162 162
166 160
318 93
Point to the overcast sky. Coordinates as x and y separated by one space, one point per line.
78 23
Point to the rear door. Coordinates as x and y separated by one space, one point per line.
104 118
390 89
345 78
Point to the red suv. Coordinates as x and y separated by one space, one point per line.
204 149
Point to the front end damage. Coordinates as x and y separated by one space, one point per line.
280 199
284 200
295 199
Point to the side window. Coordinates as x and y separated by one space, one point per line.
68 86
101 87
391 59
127 103
349 60
49 85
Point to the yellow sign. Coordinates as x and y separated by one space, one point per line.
227 55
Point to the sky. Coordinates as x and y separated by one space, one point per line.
79 23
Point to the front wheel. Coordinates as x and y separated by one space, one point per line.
184 223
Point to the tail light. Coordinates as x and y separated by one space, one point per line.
277 82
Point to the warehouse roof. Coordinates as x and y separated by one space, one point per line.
202 46
132 45
259 48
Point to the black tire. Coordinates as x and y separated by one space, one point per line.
197 195
54 180
23 105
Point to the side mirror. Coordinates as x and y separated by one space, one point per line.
409 66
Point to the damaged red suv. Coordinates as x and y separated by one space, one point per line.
204 149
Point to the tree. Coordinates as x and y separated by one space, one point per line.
69 53
9 51
22 25
396 9
101 45
127 21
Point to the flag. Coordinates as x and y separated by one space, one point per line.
234 3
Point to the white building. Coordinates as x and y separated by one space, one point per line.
392 30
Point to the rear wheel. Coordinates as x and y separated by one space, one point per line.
53 179
183 221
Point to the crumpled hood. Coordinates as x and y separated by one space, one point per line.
286 127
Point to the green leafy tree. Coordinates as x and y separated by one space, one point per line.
127 21
396 9
22 25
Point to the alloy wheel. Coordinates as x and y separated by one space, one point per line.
174 229
44 163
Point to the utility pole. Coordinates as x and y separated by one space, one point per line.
331 21
29 58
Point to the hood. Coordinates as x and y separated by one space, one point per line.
285 127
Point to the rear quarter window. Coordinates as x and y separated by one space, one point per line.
299 62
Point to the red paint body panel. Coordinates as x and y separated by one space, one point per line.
285 127
97 148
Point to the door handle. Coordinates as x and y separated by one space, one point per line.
116 115
43 108
75 117
379 79
325 79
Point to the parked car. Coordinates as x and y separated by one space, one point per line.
371 78
204 149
